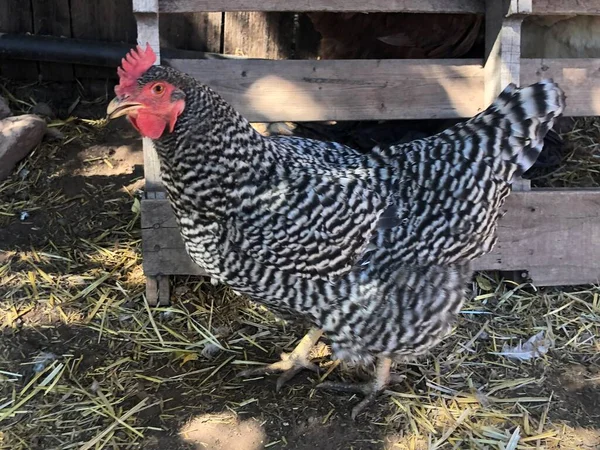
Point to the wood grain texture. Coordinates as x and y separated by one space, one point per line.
145 6
553 234
158 290
444 6
266 35
53 18
578 77
103 20
191 31
148 32
16 17
555 7
343 90
154 187
503 49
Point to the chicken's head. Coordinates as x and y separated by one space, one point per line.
150 103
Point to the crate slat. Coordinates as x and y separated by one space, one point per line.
503 49
415 6
579 78
265 90
554 234
554 7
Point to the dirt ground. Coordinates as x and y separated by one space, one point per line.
72 303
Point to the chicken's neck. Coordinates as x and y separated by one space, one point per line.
210 157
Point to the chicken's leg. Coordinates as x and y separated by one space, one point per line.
370 390
290 363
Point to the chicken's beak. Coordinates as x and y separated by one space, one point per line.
117 108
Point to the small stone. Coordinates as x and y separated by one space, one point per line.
18 136
4 109
43 109
54 134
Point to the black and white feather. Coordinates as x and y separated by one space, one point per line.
375 248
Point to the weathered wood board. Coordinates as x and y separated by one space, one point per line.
379 89
53 18
258 34
579 78
502 49
16 17
417 6
264 90
192 31
111 21
553 234
555 7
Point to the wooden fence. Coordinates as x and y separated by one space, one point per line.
273 35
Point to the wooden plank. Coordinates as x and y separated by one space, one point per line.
16 17
191 31
417 6
148 32
578 77
555 7
259 34
554 234
164 253
158 290
145 6
54 19
344 90
502 64
153 187
106 20
503 49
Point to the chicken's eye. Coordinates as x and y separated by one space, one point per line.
158 89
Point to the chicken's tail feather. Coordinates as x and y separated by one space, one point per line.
523 117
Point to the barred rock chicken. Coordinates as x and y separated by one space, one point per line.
374 249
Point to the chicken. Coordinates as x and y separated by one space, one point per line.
373 248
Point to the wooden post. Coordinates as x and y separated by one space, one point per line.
503 66
502 46
146 14
503 52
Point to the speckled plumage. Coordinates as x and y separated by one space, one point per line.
375 249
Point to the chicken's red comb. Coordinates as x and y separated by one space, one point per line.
133 66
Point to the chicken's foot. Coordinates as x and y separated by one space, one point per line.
371 389
290 363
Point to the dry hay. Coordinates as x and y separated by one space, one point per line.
87 364
581 163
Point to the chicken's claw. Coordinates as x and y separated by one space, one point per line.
370 390
291 363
